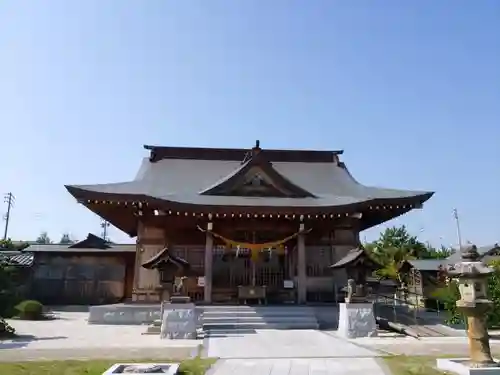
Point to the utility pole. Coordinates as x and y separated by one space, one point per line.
104 226
459 234
9 198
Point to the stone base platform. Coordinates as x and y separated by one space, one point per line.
125 314
357 320
461 366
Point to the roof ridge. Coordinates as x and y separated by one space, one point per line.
158 153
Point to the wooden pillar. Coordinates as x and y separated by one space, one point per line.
209 244
150 241
301 267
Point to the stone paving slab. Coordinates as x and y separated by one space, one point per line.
284 344
71 330
288 366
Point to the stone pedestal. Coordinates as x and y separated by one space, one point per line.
180 299
357 320
124 314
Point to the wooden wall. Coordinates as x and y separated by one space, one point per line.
327 243
79 278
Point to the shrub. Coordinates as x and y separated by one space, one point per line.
494 294
30 310
448 295
6 331
7 295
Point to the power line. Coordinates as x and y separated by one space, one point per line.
9 198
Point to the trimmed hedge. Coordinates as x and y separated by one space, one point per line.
30 310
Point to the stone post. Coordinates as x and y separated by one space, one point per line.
209 244
301 267
472 275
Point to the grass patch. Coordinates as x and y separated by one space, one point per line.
406 365
195 366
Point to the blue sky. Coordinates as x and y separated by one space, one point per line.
409 89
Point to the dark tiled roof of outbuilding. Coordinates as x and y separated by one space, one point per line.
17 258
482 251
427 264
39 248
91 244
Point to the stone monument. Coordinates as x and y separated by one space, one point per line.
179 321
472 275
356 315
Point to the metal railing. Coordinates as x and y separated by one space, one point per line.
407 309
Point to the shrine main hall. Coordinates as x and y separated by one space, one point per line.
270 220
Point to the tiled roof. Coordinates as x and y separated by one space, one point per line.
427 264
39 248
182 180
17 258
351 256
91 244
482 251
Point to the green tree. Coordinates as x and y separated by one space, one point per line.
66 239
441 253
43 239
9 245
7 295
394 246
448 294
7 299
494 294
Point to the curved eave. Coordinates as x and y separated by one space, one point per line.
400 204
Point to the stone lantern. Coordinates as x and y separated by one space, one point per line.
472 275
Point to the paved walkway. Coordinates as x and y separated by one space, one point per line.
316 366
71 337
267 352
285 344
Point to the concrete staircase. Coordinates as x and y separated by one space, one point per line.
221 320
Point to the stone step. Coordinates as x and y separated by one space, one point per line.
222 320
153 330
255 308
209 327
255 313
251 319
228 332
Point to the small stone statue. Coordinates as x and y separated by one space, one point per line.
351 290
179 285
